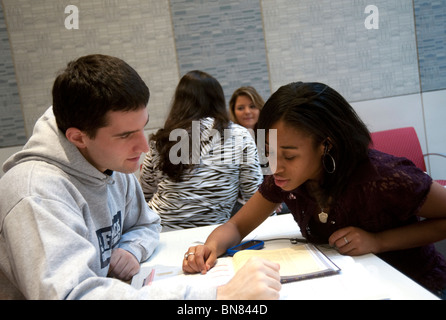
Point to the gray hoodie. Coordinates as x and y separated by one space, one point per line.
60 218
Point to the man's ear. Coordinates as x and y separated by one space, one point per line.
76 137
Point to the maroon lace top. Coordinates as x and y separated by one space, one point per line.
385 192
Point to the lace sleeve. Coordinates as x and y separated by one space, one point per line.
400 189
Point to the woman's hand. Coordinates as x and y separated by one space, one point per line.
199 259
354 241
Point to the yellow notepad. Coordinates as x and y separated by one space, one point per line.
298 262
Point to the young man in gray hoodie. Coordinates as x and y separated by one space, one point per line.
73 219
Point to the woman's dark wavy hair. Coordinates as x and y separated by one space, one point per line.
198 95
91 86
323 114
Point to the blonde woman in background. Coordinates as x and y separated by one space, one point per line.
245 106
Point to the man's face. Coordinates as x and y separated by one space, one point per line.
119 145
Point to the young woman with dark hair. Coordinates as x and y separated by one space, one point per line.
195 182
339 190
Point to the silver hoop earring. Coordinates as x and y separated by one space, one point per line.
333 162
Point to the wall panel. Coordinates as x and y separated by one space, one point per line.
327 41
12 129
224 38
431 35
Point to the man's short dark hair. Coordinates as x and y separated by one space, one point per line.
91 86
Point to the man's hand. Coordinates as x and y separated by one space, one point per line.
123 265
258 279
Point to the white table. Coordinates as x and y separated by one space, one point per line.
364 277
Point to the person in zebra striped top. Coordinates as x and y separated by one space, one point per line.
199 161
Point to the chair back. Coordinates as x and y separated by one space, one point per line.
401 142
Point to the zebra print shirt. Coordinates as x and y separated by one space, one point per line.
227 166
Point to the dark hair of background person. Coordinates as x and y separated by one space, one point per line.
198 95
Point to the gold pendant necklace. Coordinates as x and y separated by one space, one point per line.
323 216
317 193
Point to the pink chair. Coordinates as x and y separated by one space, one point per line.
403 142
